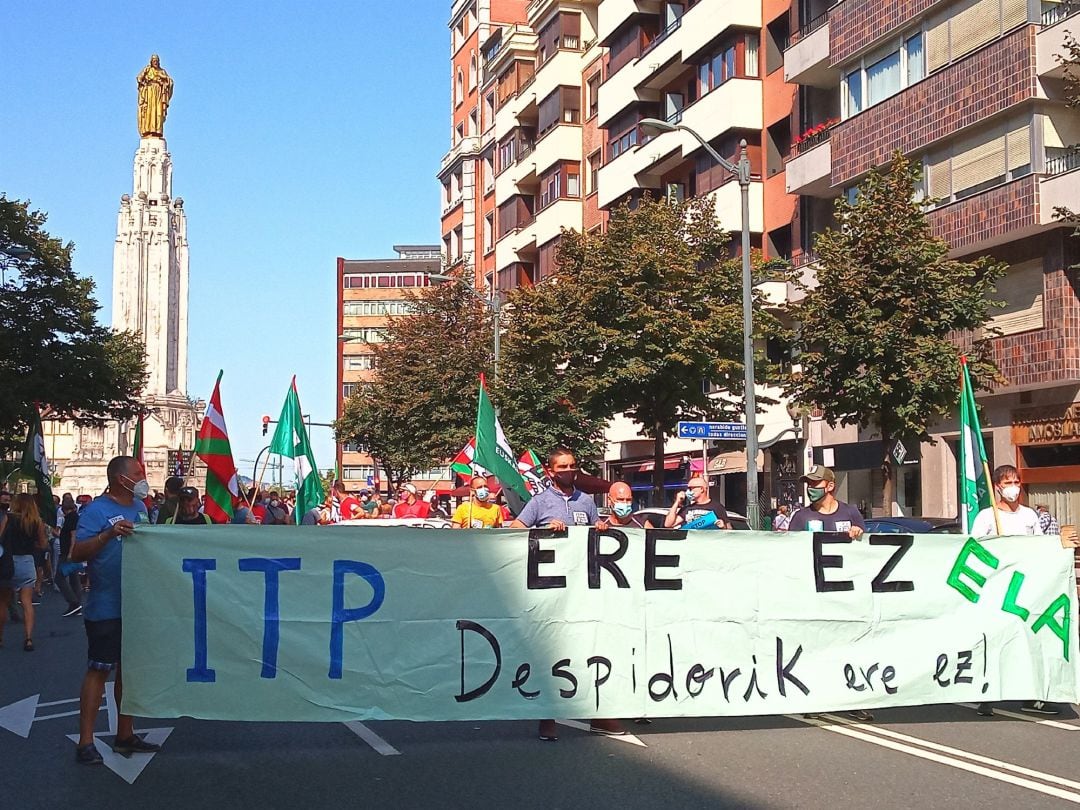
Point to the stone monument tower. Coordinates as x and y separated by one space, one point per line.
150 296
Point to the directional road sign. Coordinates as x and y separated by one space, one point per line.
729 431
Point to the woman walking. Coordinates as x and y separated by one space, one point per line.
24 533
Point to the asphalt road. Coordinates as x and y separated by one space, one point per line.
927 757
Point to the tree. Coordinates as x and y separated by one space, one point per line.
420 407
1071 63
636 320
52 349
877 336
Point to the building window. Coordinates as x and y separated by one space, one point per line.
366 334
489 110
364 309
592 88
359 362
562 106
593 163
550 189
976 163
506 154
376 280
347 390
359 472
573 183
733 59
622 133
474 123
489 232
472 70
883 74
459 89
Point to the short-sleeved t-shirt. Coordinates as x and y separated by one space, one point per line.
810 520
474 515
103 601
697 513
418 509
577 509
1024 520
350 508
370 506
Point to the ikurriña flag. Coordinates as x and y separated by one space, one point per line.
212 446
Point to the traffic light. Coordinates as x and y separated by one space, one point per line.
266 424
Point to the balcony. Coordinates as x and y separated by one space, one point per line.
466 147
728 202
808 168
561 143
806 60
563 213
1050 41
614 13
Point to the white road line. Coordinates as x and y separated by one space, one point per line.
54 716
372 739
843 727
58 702
110 705
626 738
1017 716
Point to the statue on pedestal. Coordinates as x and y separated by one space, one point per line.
155 91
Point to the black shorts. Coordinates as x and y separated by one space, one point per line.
103 644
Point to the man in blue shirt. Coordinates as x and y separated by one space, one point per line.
103 524
561 504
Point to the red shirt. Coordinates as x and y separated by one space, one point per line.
259 511
418 509
351 508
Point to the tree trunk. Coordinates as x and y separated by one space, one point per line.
888 479
658 466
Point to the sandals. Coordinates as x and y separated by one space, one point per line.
28 645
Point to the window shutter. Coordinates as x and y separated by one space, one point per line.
978 163
938 184
937 44
1018 143
1014 13
1021 288
975 23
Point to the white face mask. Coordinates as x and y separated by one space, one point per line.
1011 492
483 493
140 489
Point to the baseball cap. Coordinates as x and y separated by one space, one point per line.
410 489
818 473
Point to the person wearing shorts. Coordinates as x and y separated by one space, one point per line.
103 525
24 535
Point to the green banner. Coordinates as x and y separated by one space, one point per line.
348 623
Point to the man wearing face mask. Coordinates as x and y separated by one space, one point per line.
478 512
621 499
825 513
561 504
694 509
103 525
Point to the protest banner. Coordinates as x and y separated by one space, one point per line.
288 623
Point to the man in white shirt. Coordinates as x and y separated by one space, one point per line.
1014 518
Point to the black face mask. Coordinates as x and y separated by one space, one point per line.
565 478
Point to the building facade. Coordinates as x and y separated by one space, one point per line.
972 91
370 293
821 92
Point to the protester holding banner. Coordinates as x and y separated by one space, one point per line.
561 504
621 501
825 513
99 541
478 512
694 509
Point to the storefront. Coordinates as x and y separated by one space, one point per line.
860 481
1047 441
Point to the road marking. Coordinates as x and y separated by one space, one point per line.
1018 716
626 738
54 716
371 738
891 739
58 702
110 705
127 768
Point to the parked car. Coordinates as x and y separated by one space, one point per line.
656 515
909 525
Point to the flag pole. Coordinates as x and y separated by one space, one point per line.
993 500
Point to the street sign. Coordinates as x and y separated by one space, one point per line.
724 431
899 452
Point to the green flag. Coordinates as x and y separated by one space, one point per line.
492 450
35 466
975 490
291 441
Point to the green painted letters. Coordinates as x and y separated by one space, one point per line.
1058 628
971 547
1009 605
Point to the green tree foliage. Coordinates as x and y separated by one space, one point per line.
878 336
635 321
1071 62
52 349
420 408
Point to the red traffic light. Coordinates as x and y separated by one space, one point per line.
266 420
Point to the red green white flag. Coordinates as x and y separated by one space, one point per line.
463 463
137 445
212 446
532 470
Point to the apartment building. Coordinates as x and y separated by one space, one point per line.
370 291
973 91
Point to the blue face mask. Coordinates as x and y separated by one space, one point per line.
623 509
483 493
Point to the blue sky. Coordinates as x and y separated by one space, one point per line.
299 132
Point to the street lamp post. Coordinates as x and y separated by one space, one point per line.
493 304
11 257
741 170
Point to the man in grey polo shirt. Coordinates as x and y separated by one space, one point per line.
561 504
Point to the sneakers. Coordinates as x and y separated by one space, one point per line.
135 745
861 715
985 710
73 610
612 728
548 731
1038 707
88 755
